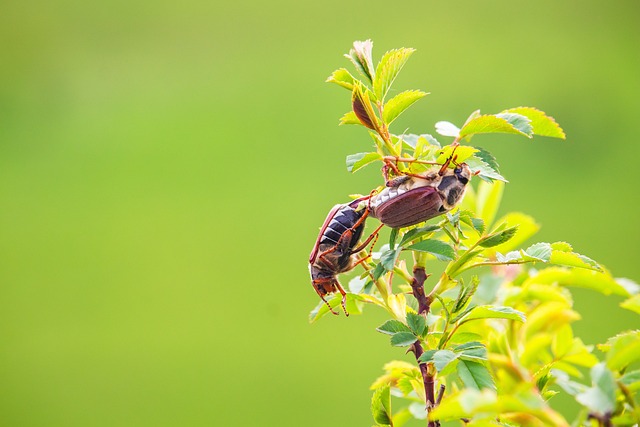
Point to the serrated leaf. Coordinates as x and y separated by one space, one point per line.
442 358
518 121
562 246
359 160
542 124
474 375
495 124
493 312
498 238
600 398
381 405
399 103
462 153
572 259
447 129
624 349
361 58
388 69
417 323
388 258
427 356
441 250
632 304
483 170
539 251
472 350
341 77
349 118
416 233
488 158
527 228
402 339
391 327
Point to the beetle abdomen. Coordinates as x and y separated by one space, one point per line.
408 208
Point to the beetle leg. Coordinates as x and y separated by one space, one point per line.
322 296
344 298
366 242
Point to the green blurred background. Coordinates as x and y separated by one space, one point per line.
165 166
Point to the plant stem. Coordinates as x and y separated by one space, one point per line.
424 304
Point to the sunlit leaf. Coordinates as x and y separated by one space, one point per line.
447 129
381 405
399 103
493 312
511 123
362 108
488 199
359 160
361 58
632 304
341 77
442 358
462 153
418 232
441 250
498 238
349 118
623 350
388 69
542 124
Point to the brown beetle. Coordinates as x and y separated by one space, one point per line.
411 199
335 246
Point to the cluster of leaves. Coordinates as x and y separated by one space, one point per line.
371 109
498 334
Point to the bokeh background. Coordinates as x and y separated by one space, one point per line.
165 166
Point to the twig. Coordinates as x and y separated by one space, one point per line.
424 304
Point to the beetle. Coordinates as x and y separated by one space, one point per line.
411 199
335 246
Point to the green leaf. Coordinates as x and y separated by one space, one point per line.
539 251
393 236
388 69
349 118
359 160
462 153
631 380
390 327
417 323
465 294
447 129
601 398
498 238
381 405
361 58
416 233
493 312
542 124
527 227
341 77
399 103
488 158
427 356
572 259
483 170
512 123
442 358
518 121
474 375
624 349
403 339
388 258
441 250
472 350
632 304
